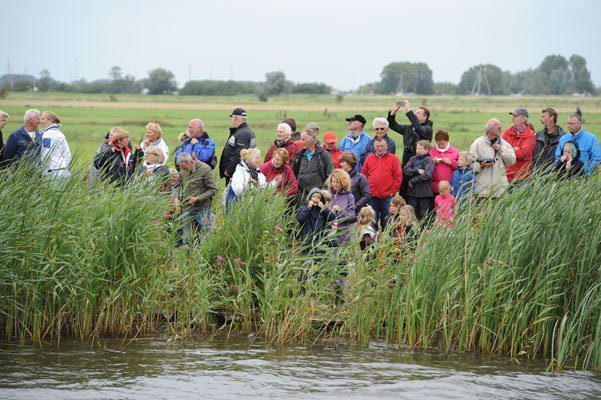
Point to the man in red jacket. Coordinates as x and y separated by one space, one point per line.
384 176
522 138
330 144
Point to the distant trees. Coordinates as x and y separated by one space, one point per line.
160 81
218 88
492 78
405 77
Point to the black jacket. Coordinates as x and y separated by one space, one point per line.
544 151
113 166
411 133
240 138
314 173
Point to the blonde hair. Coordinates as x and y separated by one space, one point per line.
154 127
4 115
183 136
52 117
327 195
407 216
173 172
248 154
444 185
343 178
366 216
118 134
398 201
282 152
158 153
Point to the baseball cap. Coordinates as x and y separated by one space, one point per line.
312 125
330 137
520 111
239 111
357 117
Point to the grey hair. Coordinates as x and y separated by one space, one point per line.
4 115
380 121
286 127
31 113
311 132
577 116
184 158
491 123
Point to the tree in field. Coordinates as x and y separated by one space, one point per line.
116 73
276 83
581 76
492 78
406 77
161 81
46 82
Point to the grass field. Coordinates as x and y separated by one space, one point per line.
86 117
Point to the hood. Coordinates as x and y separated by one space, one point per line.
316 190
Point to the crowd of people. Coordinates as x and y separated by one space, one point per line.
352 191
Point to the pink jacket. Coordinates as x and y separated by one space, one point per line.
442 171
444 210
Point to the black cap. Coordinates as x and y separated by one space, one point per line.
357 117
239 111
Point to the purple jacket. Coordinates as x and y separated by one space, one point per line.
360 189
346 216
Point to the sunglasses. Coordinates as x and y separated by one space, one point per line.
379 129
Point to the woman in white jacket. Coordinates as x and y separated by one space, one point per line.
56 155
246 176
154 137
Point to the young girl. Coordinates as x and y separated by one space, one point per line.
365 229
443 204
315 219
393 213
462 183
569 165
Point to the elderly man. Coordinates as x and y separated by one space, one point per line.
330 144
24 143
357 140
589 151
199 145
312 165
420 128
546 141
491 156
241 137
384 176
381 130
523 140
198 189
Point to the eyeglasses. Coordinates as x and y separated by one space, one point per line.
379 129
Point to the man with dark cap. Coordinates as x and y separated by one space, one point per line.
241 137
419 129
523 140
357 140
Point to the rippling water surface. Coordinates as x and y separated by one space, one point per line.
239 368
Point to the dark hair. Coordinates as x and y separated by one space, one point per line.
291 122
426 111
442 135
552 113
380 139
350 158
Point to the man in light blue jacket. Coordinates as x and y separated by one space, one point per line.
357 140
588 144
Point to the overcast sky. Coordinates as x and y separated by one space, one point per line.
344 43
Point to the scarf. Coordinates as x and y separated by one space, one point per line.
445 149
280 143
254 173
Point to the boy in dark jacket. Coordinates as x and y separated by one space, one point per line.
419 170
314 218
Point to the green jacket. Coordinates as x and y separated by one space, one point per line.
198 182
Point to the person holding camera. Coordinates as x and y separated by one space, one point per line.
491 156
199 145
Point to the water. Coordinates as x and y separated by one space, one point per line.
159 369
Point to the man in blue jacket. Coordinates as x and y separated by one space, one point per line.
357 140
25 142
588 144
199 145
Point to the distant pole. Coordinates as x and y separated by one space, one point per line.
232 72
189 72
10 75
211 74
75 69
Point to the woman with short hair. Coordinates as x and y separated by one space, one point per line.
154 137
56 155
282 140
116 161
445 159
279 174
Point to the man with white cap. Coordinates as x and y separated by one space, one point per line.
241 137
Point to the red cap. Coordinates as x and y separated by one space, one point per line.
330 137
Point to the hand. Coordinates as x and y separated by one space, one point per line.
421 171
192 200
336 208
278 179
144 144
395 107
569 163
193 141
252 182
226 173
175 201
320 204
411 183
406 105
563 158
311 203
446 161
497 146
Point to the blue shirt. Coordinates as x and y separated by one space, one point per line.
589 151
310 154
357 146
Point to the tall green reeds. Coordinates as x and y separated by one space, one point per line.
518 276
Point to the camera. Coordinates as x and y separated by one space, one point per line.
485 160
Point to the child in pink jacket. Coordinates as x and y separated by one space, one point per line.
444 157
444 204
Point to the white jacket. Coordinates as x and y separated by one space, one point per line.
241 178
490 180
160 143
56 155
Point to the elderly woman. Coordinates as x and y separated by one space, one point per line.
115 160
282 141
154 137
56 155
279 173
343 201
359 185
445 159
154 168
246 176
4 118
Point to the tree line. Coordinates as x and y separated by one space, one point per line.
556 75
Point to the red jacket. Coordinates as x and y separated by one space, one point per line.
525 141
289 181
290 146
384 175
